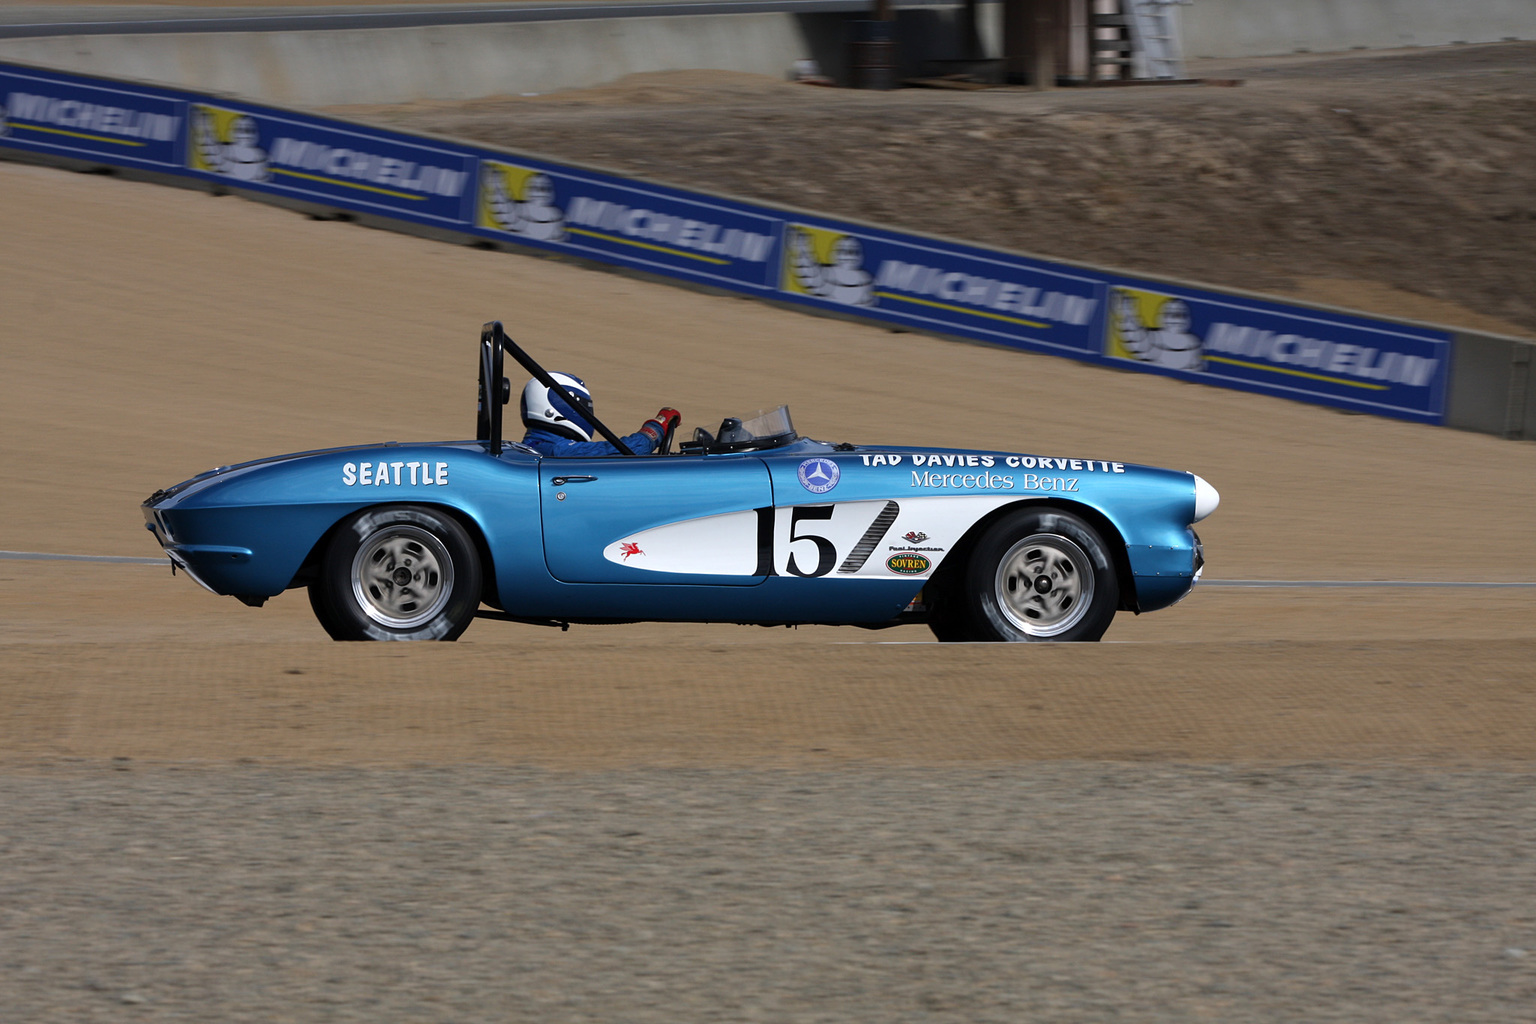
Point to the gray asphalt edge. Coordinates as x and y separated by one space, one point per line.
135 21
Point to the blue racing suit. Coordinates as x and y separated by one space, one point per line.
547 442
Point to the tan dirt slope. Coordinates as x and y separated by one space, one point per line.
709 702
209 812
153 332
1399 182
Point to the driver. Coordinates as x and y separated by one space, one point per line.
555 428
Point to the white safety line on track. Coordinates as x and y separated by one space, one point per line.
45 556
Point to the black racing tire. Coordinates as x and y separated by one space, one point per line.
1037 575
398 572
947 614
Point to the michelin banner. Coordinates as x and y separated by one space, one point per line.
648 227
1312 355
1329 358
50 113
938 286
909 281
491 194
330 162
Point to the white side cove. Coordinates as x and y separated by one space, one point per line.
1206 498
878 539
724 545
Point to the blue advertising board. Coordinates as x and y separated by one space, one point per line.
332 162
940 286
606 218
1318 356
88 119
925 284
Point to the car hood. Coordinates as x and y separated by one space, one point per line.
222 473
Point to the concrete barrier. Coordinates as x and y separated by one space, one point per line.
444 62
1256 28
346 65
1493 386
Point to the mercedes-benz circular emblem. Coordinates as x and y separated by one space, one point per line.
819 475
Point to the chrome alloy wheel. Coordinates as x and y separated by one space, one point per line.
1045 584
402 576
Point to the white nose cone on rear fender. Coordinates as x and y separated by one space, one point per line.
1206 499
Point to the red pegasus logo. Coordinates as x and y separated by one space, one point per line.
629 547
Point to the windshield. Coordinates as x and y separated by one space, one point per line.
762 429
763 425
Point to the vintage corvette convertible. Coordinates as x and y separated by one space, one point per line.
753 524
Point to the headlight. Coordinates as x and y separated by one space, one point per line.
1206 499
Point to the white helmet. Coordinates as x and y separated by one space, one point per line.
544 408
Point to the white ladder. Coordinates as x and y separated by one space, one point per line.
1156 48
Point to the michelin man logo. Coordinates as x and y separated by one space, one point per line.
519 201
827 265
226 142
1153 328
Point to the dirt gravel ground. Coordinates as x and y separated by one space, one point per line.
1398 182
1261 805
1058 892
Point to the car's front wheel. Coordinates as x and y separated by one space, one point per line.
1038 574
400 572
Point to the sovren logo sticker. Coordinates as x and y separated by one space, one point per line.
908 563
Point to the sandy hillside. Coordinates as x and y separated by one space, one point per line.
158 332
1398 182
1260 805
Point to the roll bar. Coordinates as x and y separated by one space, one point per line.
488 423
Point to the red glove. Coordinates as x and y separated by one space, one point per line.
657 428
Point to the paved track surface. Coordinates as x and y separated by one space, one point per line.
1262 805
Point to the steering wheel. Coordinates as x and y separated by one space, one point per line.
665 447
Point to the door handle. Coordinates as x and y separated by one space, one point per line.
561 481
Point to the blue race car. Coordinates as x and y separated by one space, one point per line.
754 524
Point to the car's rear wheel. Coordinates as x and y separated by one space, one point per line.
1038 574
400 572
